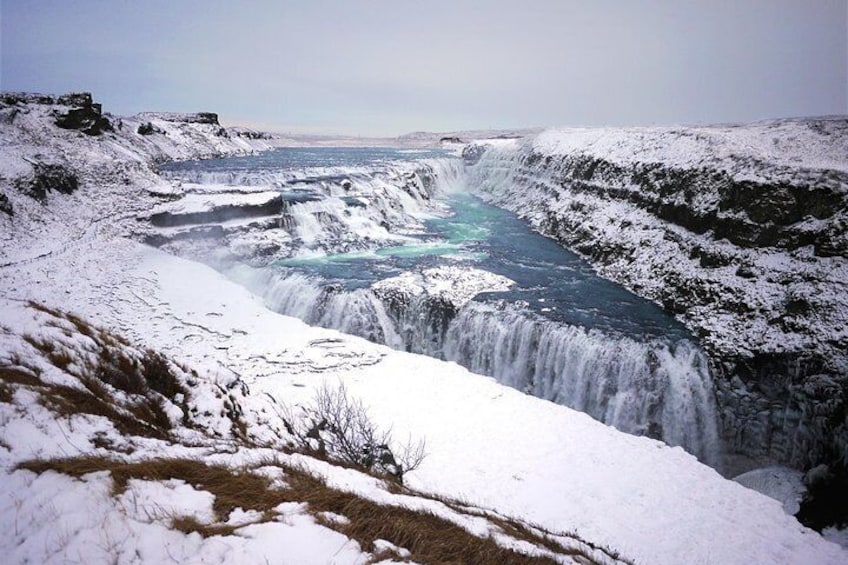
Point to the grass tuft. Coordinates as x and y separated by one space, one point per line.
145 378
190 524
18 375
159 376
144 419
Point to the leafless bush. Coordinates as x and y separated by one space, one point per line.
338 427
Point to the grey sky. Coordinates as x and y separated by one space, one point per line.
389 67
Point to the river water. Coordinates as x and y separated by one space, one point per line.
558 331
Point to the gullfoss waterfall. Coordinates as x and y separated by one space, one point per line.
394 247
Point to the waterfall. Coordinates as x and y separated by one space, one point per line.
656 388
645 386
359 312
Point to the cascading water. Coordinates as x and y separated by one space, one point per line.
655 388
500 299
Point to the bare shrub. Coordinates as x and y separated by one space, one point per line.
338 427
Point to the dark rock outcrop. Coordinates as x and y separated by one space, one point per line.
826 500
147 128
471 153
250 134
194 233
85 115
272 207
782 407
5 205
18 98
209 118
423 319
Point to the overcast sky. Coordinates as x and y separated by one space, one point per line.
389 67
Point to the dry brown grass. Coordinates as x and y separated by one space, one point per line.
429 538
533 533
15 375
81 325
18 375
117 365
159 376
190 524
143 377
146 418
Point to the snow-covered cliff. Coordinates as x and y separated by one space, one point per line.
63 153
739 230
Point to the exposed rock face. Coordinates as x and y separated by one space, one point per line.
423 304
826 501
147 128
84 114
772 212
249 133
221 213
16 98
739 231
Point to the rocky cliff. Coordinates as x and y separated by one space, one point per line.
64 148
739 230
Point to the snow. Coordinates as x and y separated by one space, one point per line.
52 518
488 445
195 203
781 483
456 284
780 143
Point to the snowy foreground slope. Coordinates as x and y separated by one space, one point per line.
739 230
487 444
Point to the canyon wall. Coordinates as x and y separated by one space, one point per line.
739 230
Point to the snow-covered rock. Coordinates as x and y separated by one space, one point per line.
454 284
739 230
92 179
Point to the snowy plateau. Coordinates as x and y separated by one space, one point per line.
151 406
